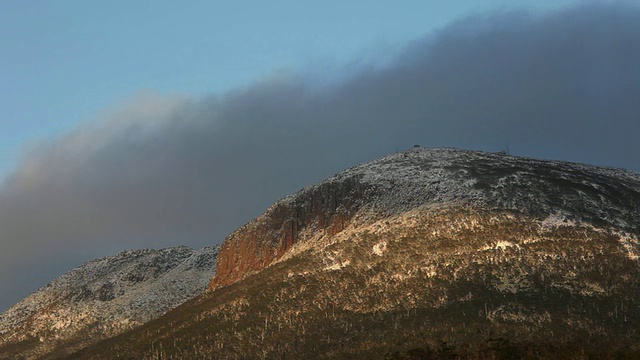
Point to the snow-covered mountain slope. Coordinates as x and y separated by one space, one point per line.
433 177
436 253
104 297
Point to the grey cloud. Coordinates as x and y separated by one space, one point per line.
166 171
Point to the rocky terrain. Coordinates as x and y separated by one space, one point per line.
102 298
424 254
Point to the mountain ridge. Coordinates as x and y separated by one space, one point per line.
421 176
104 297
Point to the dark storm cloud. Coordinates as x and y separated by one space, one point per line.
166 171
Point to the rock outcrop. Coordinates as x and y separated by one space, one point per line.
325 208
103 298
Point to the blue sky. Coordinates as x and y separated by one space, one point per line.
65 62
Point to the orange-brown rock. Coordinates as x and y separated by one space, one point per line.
327 207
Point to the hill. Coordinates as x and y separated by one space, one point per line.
102 298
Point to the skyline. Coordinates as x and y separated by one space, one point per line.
180 164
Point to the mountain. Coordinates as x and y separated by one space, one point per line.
550 191
428 253
102 298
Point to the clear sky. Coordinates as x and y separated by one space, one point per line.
64 62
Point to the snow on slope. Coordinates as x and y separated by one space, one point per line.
106 296
422 176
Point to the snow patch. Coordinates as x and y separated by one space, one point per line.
338 265
380 248
501 245
555 220
631 245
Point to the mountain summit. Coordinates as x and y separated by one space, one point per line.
544 190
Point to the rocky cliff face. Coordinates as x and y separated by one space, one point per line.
325 208
102 298
417 177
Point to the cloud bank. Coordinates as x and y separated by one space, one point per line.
165 170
